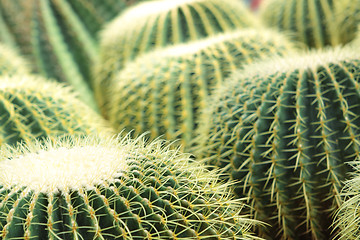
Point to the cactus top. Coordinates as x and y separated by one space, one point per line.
63 168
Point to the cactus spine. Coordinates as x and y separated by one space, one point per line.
284 129
111 189
60 36
32 107
163 91
316 23
347 218
156 24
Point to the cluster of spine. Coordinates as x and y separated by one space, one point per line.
163 91
285 129
146 192
157 24
33 108
60 37
347 218
316 23
11 62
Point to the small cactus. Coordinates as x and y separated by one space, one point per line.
59 37
156 24
10 61
32 107
163 91
316 23
284 129
347 218
112 189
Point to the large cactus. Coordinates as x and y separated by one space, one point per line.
11 62
32 108
110 189
347 218
316 23
284 129
163 91
157 24
59 36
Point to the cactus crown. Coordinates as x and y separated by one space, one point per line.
32 107
285 128
149 192
164 90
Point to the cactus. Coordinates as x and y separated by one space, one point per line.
347 218
284 129
156 24
32 107
10 61
60 37
316 23
112 189
163 91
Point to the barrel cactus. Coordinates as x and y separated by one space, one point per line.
163 91
347 218
316 23
160 23
11 62
112 189
284 129
60 37
32 107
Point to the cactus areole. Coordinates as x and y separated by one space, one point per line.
80 188
285 129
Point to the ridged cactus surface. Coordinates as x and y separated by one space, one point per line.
347 218
59 37
32 107
112 189
156 24
316 23
11 62
163 91
284 129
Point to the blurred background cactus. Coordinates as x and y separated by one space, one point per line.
163 91
11 62
59 37
155 24
285 129
33 108
113 189
316 23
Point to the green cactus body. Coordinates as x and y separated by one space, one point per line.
111 189
33 108
284 129
11 62
347 218
316 23
163 91
60 37
156 24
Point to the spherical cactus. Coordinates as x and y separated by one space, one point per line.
60 37
284 129
347 218
316 23
112 189
163 91
10 62
33 108
157 24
